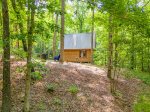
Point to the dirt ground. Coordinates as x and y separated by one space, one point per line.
93 96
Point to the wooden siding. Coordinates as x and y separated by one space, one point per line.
74 55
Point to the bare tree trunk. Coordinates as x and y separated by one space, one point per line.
116 55
110 49
142 60
113 80
1 23
18 15
148 67
54 37
29 55
62 30
132 52
92 37
105 58
81 26
6 92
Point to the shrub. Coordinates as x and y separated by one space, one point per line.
73 89
36 76
39 66
51 87
57 101
41 106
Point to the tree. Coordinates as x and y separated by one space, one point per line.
133 51
62 30
54 37
92 30
110 47
19 19
6 92
31 9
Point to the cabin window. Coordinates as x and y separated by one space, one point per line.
83 54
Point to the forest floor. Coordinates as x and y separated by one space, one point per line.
93 89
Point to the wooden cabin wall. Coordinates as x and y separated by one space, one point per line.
73 56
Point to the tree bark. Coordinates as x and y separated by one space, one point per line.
92 36
116 55
105 58
1 23
18 16
6 92
29 56
148 67
113 80
132 52
142 60
62 30
54 37
110 48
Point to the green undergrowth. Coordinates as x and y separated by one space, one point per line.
142 102
73 89
143 76
51 87
39 70
36 75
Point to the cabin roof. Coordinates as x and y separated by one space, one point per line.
79 41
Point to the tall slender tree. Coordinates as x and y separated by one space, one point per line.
6 92
148 67
133 51
92 36
30 25
62 30
54 37
110 47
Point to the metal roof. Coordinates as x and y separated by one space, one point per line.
78 41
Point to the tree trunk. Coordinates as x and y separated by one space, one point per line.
132 53
18 15
1 23
148 67
110 49
116 55
6 92
92 37
54 37
62 30
113 80
29 55
81 26
142 60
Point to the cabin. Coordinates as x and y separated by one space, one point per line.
77 47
